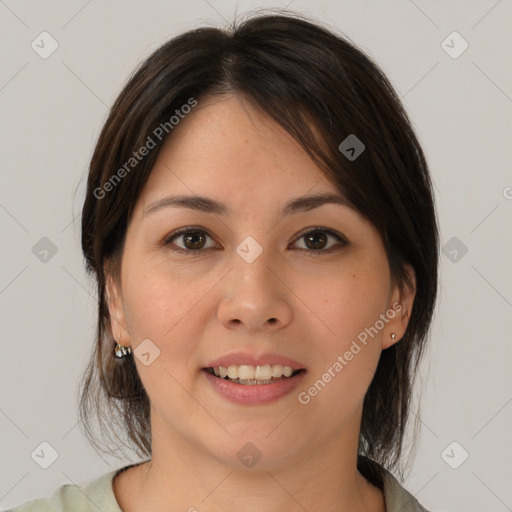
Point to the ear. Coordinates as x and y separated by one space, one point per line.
114 300
399 310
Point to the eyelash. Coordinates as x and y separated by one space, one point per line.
317 229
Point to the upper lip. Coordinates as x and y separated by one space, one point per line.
238 358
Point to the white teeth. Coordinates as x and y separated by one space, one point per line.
263 372
277 370
245 372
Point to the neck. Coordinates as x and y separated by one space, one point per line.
184 476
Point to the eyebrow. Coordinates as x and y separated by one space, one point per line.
208 205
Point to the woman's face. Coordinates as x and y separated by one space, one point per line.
249 282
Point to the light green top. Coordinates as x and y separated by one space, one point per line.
99 496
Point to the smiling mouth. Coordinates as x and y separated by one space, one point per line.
265 376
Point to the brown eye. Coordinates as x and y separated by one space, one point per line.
194 240
190 240
316 240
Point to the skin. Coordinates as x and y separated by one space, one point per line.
197 307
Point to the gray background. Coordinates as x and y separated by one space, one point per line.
52 110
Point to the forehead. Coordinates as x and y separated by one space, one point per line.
227 145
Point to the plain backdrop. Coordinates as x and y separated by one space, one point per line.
51 111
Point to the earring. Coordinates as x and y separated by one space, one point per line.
393 336
120 351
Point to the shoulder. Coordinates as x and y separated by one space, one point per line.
396 497
94 496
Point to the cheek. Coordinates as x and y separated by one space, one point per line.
349 351
354 302
169 311
160 305
347 355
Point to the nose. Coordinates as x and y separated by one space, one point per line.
254 297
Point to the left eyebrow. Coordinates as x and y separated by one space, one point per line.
208 205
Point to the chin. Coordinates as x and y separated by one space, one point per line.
256 452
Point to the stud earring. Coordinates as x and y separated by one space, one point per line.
121 351
393 336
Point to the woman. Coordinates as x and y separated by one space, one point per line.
260 221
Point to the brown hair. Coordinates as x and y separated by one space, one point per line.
321 88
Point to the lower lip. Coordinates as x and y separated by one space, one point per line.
257 393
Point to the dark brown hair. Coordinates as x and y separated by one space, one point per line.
321 88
